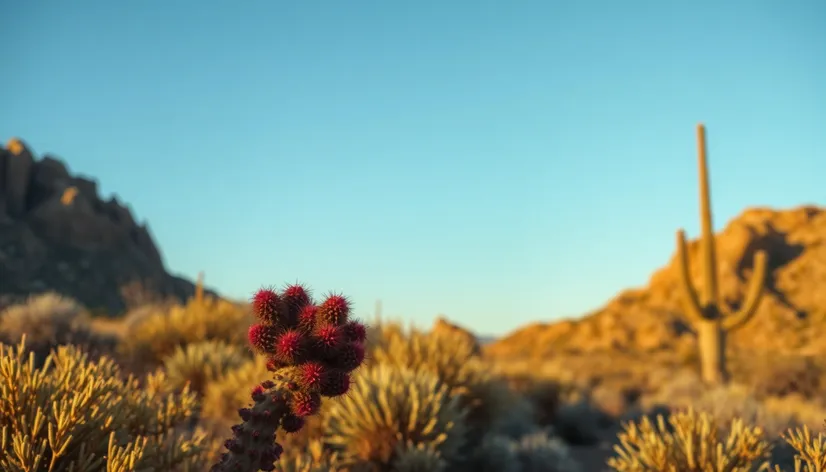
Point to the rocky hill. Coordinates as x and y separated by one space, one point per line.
791 316
56 234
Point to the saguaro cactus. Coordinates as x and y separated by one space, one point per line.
704 311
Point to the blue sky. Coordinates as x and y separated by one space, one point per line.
497 162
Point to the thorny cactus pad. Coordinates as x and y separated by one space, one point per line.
311 351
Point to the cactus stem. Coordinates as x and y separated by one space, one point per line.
703 311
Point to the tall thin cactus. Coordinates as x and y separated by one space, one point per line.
704 311
199 289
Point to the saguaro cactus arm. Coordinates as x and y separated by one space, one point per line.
691 302
733 321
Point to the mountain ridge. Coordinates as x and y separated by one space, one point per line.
791 315
57 234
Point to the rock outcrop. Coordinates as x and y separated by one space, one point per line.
56 234
791 316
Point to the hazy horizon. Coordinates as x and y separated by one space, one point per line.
499 164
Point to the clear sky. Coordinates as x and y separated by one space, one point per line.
498 162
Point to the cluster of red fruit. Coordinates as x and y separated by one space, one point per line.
312 351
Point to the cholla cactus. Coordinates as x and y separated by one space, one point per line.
311 350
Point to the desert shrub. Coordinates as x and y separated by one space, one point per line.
149 340
564 406
71 413
495 454
313 458
545 386
788 375
454 360
418 458
48 320
689 441
380 332
138 314
778 412
491 405
810 450
199 364
578 422
391 407
614 400
545 395
540 452
535 452
223 397
444 354
773 415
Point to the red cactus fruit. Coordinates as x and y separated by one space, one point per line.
295 297
291 423
313 375
328 338
335 309
354 332
257 393
233 445
307 317
321 344
349 357
305 403
245 414
267 306
336 383
290 347
262 337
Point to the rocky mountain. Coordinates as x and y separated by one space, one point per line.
57 234
791 316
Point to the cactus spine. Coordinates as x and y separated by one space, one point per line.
704 311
